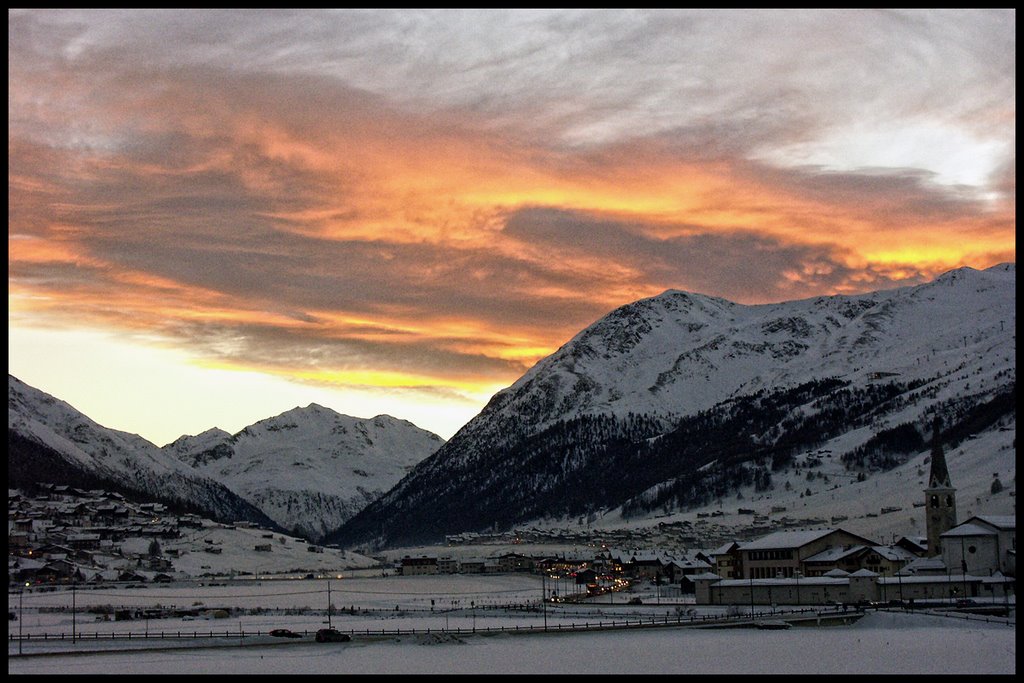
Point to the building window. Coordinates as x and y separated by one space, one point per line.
972 549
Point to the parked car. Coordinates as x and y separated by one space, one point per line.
332 635
284 633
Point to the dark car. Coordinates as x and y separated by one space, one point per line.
284 633
332 635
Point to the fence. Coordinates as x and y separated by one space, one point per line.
601 625
679 620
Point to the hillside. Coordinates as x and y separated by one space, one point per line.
681 401
50 441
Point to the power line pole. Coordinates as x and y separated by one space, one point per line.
544 596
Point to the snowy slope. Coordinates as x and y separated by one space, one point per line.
47 436
311 468
678 353
900 353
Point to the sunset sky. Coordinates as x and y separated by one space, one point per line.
216 216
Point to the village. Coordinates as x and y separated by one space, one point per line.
65 535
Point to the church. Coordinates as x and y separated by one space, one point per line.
975 558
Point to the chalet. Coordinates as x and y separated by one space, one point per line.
879 559
160 564
644 565
18 542
60 571
83 541
727 561
515 562
675 570
24 568
103 576
413 566
190 521
916 545
447 565
472 566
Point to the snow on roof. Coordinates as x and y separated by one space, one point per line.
704 575
833 554
864 572
1002 522
924 564
929 578
968 530
786 539
836 573
789 581
723 549
893 552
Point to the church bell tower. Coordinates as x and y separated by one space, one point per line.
939 497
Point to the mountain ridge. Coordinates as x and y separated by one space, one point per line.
679 354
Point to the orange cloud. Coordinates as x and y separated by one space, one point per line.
350 241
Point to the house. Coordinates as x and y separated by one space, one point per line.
645 565
472 566
60 571
727 563
879 559
674 570
447 565
24 568
515 562
917 545
160 564
414 566
263 547
783 553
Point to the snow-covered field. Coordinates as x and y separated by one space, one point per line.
881 642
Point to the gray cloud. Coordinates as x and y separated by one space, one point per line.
741 266
587 74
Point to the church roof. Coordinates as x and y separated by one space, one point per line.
969 530
1002 522
939 477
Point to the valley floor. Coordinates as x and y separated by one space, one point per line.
880 642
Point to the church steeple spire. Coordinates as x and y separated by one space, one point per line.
939 478
940 496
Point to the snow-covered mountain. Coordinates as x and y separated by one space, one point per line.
50 441
309 469
678 397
